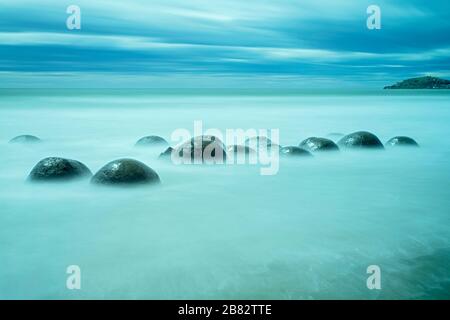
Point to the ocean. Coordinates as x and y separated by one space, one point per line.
227 232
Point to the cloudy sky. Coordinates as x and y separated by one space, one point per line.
221 43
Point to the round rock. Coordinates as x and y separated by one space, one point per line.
294 152
58 169
125 172
151 141
166 154
207 149
360 140
402 141
238 149
26 138
314 144
258 142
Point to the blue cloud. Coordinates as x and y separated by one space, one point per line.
256 40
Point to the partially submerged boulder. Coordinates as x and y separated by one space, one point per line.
125 172
25 139
314 144
151 141
202 149
292 151
258 141
58 169
402 141
238 149
360 140
166 154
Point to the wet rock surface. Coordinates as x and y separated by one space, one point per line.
25 139
151 141
292 151
360 140
208 149
402 141
125 172
58 169
314 144
238 149
166 154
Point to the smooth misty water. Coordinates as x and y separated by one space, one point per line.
227 232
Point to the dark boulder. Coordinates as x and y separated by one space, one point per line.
360 140
25 139
125 172
202 149
238 149
166 154
151 141
314 144
259 141
58 169
294 152
402 141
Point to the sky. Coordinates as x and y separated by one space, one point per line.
222 43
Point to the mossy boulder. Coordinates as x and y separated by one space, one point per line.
25 139
125 172
360 140
58 169
151 141
315 144
402 141
292 151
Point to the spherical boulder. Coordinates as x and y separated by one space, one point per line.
314 144
292 151
360 140
258 141
25 139
166 154
58 169
202 149
125 172
401 141
151 141
238 149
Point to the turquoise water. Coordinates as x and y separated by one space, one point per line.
308 232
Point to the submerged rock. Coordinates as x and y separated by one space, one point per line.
25 138
314 144
151 141
257 142
294 151
125 172
360 140
166 154
238 149
402 141
202 149
54 168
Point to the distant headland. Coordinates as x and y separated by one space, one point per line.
427 82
